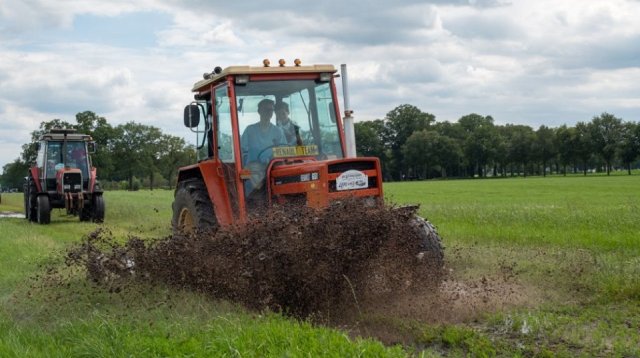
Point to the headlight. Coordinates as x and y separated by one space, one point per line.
297 178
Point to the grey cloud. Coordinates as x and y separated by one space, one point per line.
618 52
363 23
485 27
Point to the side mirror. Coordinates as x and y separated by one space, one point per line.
92 147
191 116
37 146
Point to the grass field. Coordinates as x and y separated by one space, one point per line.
566 250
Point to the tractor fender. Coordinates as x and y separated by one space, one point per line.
36 178
209 172
188 172
92 180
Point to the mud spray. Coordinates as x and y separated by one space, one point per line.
335 266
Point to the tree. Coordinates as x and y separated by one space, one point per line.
606 131
544 146
456 133
372 141
103 134
520 141
447 152
173 153
13 174
479 143
583 145
629 146
401 122
370 138
418 153
135 151
565 139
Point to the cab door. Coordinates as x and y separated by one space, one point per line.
224 142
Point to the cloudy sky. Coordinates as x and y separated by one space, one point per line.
528 62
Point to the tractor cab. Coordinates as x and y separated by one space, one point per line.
270 135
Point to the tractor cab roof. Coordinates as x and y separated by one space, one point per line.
219 74
65 133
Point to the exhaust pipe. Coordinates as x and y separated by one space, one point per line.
349 130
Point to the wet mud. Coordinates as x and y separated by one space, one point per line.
358 269
301 262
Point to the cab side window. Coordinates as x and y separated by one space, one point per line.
224 138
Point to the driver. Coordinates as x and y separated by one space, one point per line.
258 138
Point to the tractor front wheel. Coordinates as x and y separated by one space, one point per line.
43 209
192 208
432 252
97 209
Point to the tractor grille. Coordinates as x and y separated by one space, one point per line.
343 167
72 182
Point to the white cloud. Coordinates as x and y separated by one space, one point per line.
531 62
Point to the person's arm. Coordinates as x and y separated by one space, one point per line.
280 138
244 145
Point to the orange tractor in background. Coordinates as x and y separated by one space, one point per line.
272 135
63 177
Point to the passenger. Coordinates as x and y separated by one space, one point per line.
290 129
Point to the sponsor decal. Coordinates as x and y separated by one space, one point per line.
352 179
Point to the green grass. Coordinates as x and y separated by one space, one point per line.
570 245
593 212
47 320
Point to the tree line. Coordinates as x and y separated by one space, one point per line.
412 145
409 142
127 156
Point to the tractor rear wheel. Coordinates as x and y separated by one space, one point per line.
43 209
30 201
192 208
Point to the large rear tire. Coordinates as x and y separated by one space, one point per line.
192 208
44 210
30 200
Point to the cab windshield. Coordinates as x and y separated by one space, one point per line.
288 118
76 157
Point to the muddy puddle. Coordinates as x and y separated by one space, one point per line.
11 214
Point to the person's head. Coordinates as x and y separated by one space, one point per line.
282 112
265 109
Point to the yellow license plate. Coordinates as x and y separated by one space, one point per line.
295 151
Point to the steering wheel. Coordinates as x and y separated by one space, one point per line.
264 150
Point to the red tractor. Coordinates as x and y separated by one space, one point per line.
63 177
272 135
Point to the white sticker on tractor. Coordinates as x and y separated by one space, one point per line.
352 179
